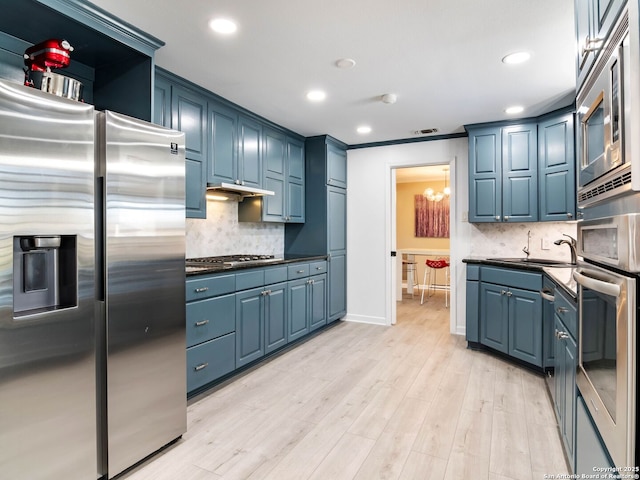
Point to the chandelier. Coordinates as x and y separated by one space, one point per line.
433 196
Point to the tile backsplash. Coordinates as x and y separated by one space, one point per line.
221 233
508 239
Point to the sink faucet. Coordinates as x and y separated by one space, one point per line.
526 249
572 245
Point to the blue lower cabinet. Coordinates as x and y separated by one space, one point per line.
473 304
210 318
511 321
275 317
297 310
317 301
249 326
210 360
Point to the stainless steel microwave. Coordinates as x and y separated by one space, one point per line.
607 137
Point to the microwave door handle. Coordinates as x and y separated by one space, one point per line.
606 288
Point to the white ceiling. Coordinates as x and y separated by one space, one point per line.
442 58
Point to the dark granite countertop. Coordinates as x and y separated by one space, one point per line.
286 259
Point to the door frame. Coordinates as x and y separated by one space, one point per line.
390 241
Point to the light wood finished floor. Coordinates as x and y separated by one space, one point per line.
368 402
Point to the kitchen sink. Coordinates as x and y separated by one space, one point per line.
533 261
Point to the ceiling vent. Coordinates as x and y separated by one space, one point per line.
426 131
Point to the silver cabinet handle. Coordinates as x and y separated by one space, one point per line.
509 294
201 366
202 289
202 323
237 182
591 45
561 335
319 268
263 293
547 295
497 217
569 215
594 405
300 271
562 310
506 218
503 292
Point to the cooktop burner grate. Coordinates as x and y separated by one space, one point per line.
232 259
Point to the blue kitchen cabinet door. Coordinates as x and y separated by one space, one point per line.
317 301
249 152
249 326
210 318
189 115
337 288
336 166
557 167
473 304
485 175
565 386
525 325
295 184
605 14
223 126
590 452
548 324
275 317
520 173
298 309
585 30
336 219
274 171
162 101
494 317
210 360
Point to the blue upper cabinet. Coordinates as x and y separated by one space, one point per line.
336 166
557 167
594 20
485 175
520 173
249 152
223 126
503 174
523 172
295 201
189 115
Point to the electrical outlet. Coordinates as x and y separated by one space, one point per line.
546 244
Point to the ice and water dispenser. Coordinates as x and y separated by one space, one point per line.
45 273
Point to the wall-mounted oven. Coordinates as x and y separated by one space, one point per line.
608 284
607 119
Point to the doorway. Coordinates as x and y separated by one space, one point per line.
405 183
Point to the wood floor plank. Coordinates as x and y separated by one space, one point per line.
420 466
344 460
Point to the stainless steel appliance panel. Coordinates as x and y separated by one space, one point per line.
142 168
47 355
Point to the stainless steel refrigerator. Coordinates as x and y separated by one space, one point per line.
92 347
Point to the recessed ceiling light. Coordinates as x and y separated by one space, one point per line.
223 25
364 129
345 63
316 95
517 57
389 98
513 110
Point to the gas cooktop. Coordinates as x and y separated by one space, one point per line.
232 260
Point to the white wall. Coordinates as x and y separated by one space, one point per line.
368 224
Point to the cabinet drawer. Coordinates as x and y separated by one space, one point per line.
210 318
298 270
567 312
205 287
211 360
250 279
275 275
316 268
512 278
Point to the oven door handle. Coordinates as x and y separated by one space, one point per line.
596 284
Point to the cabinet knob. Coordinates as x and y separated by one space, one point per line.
569 215
503 292
506 218
498 217
237 182
509 294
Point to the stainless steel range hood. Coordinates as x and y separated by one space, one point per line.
241 190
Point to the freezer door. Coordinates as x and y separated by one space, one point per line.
142 168
47 321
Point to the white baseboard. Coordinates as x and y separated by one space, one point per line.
365 319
